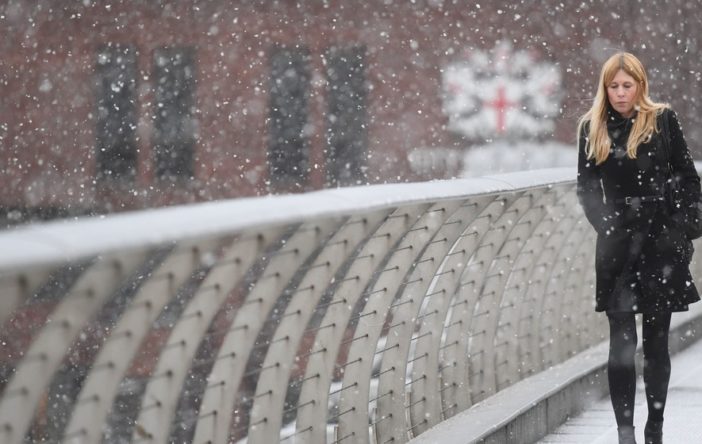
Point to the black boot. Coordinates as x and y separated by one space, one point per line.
653 432
626 435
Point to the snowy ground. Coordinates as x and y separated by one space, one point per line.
682 414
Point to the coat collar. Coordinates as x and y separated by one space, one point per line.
615 120
619 126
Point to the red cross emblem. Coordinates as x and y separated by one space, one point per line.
500 104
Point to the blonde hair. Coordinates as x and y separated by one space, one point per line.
598 143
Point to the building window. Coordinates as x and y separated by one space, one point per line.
174 126
346 117
287 144
116 153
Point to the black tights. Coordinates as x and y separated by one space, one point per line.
621 371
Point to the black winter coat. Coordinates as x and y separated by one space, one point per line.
642 253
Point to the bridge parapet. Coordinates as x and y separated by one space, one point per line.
362 314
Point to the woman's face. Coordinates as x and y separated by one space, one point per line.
622 93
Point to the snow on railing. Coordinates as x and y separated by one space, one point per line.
345 315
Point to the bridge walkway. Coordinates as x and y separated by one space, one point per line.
682 414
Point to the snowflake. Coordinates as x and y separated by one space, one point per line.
502 92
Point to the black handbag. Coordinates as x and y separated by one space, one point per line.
690 217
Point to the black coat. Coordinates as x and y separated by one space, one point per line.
642 253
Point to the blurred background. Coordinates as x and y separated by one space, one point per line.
107 106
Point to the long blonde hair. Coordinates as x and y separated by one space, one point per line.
645 123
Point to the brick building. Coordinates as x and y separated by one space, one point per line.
115 105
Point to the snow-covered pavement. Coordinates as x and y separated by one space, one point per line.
683 413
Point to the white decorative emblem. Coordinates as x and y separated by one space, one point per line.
501 94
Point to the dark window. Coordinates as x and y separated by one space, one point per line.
174 127
346 128
116 155
287 144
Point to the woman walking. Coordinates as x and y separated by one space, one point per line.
642 251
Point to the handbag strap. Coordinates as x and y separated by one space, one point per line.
665 132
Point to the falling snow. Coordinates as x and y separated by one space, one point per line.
122 105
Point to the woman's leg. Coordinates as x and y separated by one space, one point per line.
656 371
621 372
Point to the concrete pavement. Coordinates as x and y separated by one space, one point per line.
683 413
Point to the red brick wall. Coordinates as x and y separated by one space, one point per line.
47 96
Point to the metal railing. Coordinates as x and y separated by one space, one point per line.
351 315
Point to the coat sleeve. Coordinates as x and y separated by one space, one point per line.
601 215
684 171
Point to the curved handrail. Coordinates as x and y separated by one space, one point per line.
362 314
